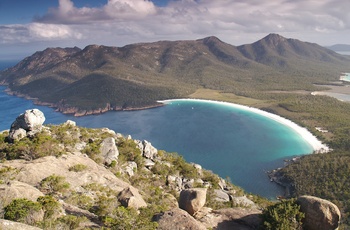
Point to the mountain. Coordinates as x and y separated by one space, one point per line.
100 78
277 51
339 47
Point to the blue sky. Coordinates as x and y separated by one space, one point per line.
27 26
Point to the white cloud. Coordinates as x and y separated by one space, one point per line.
52 31
67 13
132 8
14 34
121 22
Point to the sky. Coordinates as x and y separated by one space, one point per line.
27 26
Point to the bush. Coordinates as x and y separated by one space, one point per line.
50 206
105 205
77 168
23 210
285 215
80 200
128 151
53 185
70 222
128 218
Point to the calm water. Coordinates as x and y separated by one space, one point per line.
231 142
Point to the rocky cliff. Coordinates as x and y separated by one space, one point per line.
69 177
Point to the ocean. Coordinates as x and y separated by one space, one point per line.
232 142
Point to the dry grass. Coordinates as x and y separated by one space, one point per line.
227 97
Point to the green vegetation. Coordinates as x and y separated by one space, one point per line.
125 218
285 215
138 75
80 200
325 176
7 174
321 175
38 146
129 152
78 168
53 185
23 210
50 206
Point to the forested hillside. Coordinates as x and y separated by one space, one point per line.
101 78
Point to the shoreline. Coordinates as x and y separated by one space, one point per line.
316 144
345 77
75 111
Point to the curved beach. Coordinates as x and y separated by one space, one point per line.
316 144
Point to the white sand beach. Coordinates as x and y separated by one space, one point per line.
345 77
317 145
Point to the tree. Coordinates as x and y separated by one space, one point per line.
285 215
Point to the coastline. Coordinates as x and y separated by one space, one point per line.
77 112
316 144
345 77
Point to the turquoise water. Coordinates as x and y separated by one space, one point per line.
346 77
229 141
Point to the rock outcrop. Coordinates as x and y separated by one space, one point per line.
320 214
15 190
147 149
177 219
192 200
11 225
231 218
130 197
27 124
109 150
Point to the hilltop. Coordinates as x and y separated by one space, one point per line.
101 78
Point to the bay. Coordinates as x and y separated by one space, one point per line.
231 142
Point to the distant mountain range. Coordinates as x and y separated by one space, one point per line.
100 78
339 47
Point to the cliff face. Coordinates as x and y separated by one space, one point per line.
69 177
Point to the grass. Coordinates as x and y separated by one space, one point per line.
216 95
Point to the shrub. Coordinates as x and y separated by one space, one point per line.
53 185
105 205
7 173
80 200
23 210
77 168
128 151
70 222
128 218
285 215
40 145
211 177
50 206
